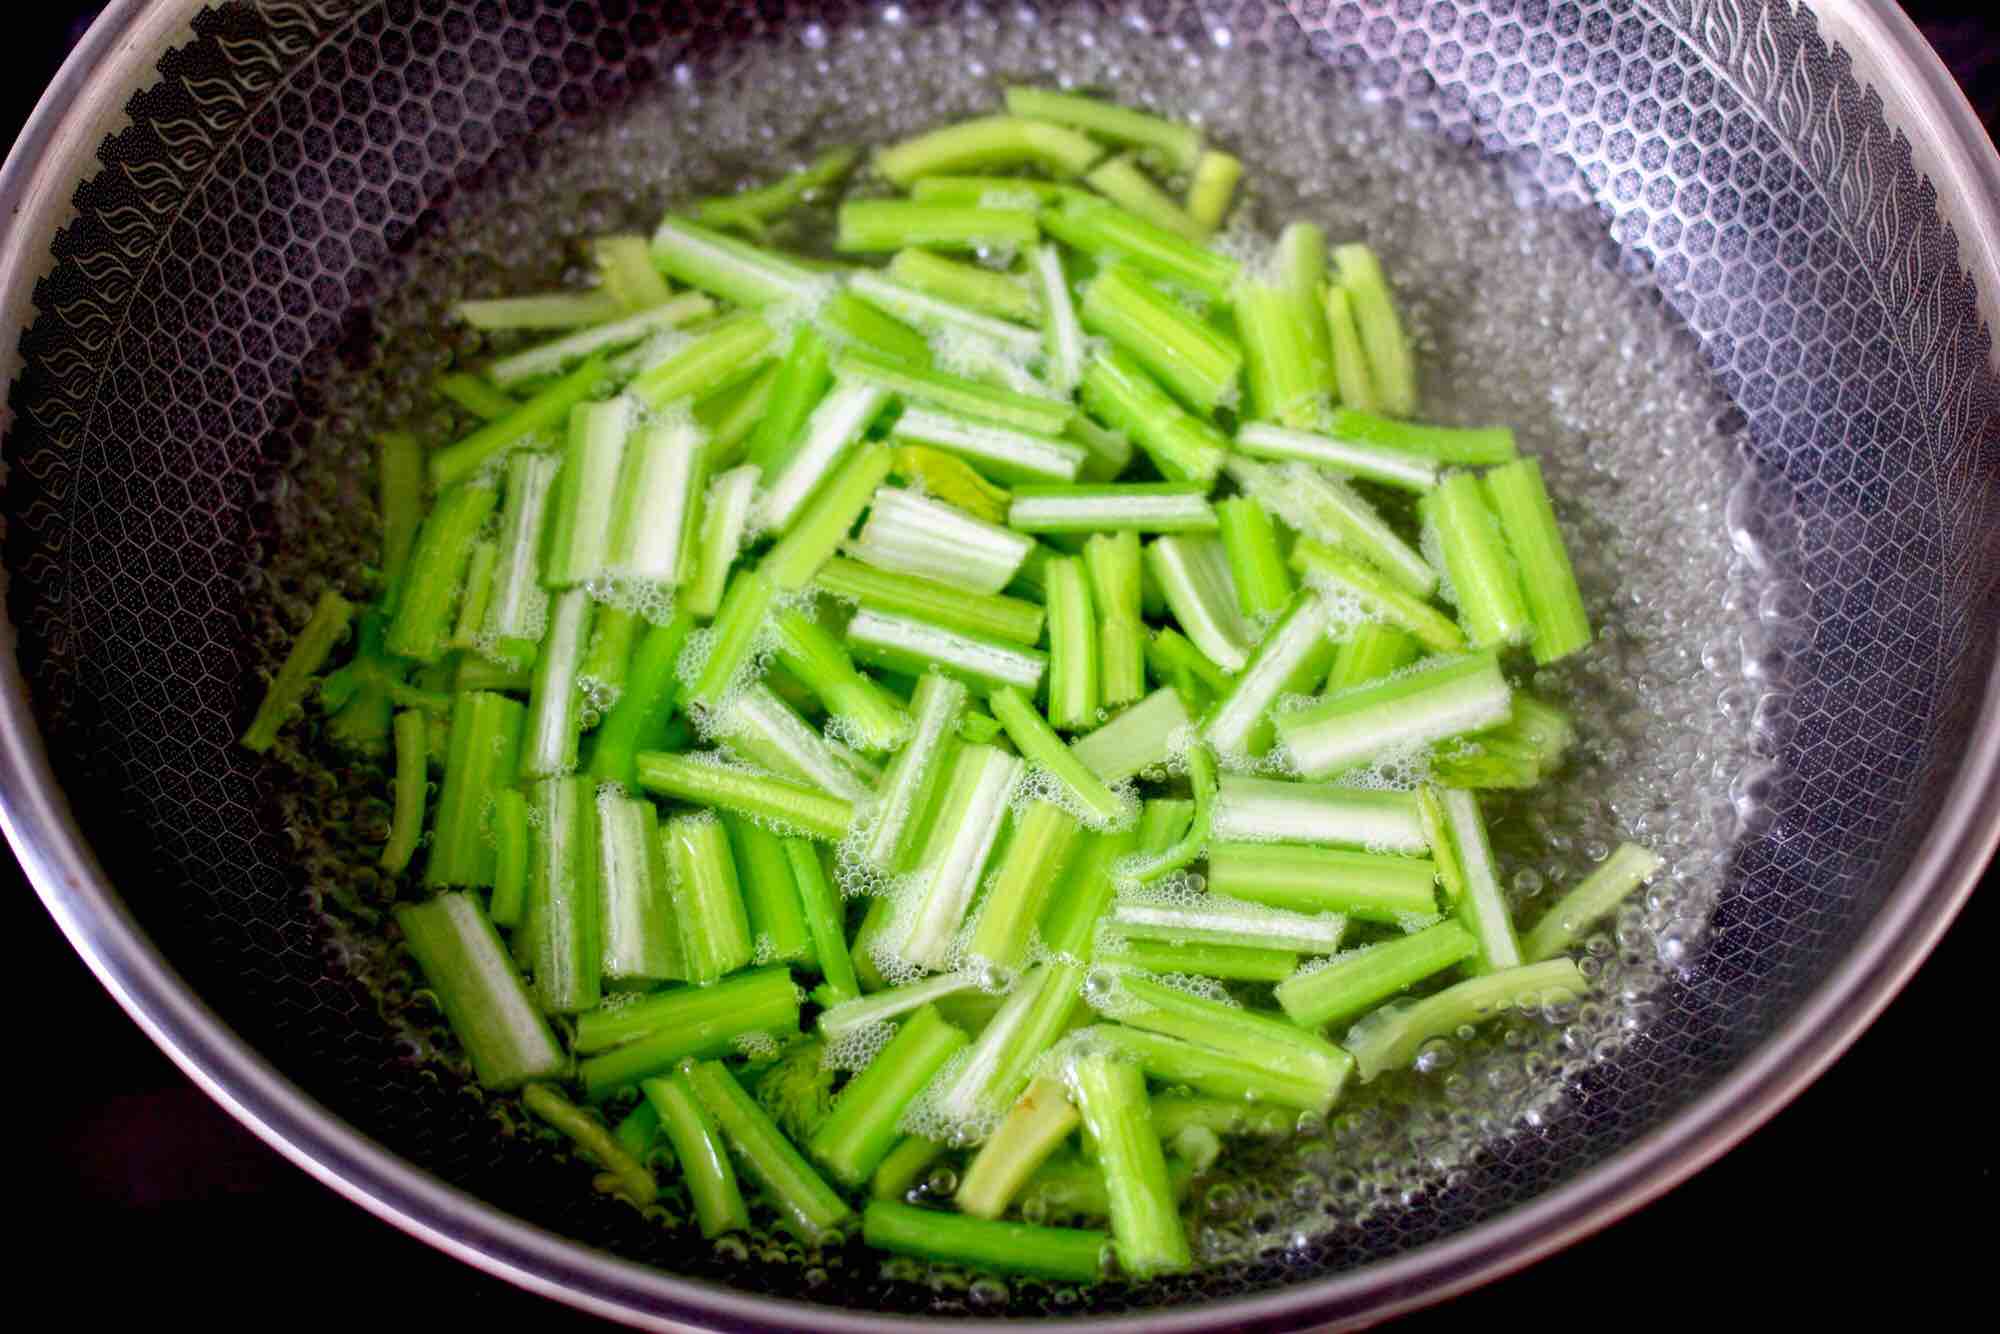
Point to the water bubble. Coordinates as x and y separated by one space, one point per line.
1437 1055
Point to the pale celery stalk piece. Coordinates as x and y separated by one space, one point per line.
1004 454
833 429
547 310
625 268
1213 187
1345 578
1143 737
725 520
1188 356
1408 472
559 355
1471 875
765 730
1193 574
1062 332
909 645
1273 810
734 270
892 224
549 743
913 534
1073 649
1429 703
882 1006
518 607
1359 980
1483 581
1180 144
1258 1038
1003 1057
986 143
1392 370
1125 183
1389 1038
938 317
579 540
1040 1121
480 992
971 810
1561 625
723 353
966 284
1355 388
659 491
641 934
1044 839
1389 888
1210 919
1324 508
1166 507
905 790
1291 643
1563 925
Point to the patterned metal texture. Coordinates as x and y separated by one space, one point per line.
226 254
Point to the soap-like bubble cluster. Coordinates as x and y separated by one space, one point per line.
1519 317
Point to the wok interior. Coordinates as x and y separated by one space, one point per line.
222 284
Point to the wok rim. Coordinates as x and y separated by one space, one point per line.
55 150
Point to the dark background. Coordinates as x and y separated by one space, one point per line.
143 1198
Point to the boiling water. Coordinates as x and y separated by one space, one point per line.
1520 315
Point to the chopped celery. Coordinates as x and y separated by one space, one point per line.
1040 746
892 224
1061 1254
1187 355
1269 810
1111 1094
1114 563
1426 704
1391 1037
1193 571
1006 455
287 691
1118 392
1628 867
1470 874
986 143
1044 839
1483 582
1142 738
1124 183
1372 886
1213 187
1179 144
1391 369
1521 502
1256 561
908 533
965 284
1141 507
1344 578
482 996
702 778
852 1142
904 796
970 811
1073 661
1371 463
912 646
1356 982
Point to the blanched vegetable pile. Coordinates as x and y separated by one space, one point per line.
1025 702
